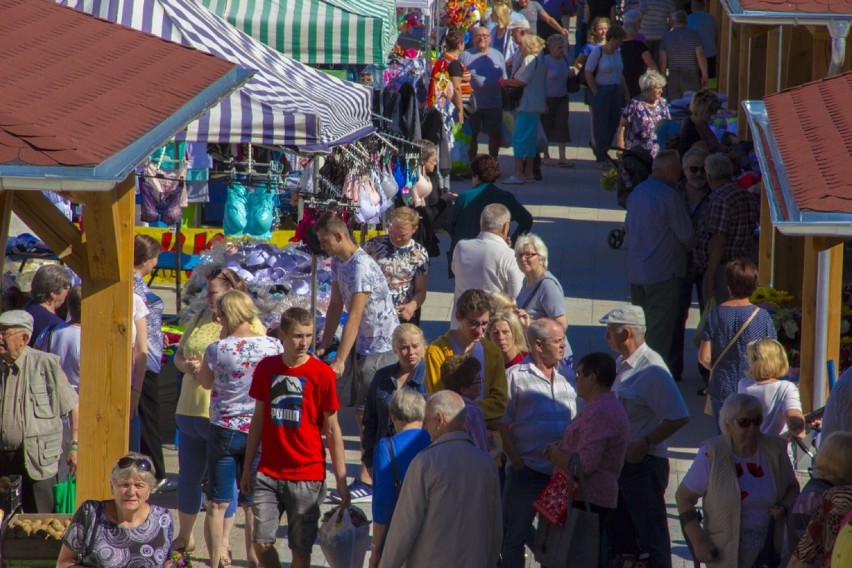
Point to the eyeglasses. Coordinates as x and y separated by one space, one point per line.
142 464
7 334
476 324
527 255
746 422
482 36
695 169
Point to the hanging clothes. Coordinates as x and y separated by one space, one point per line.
236 210
163 194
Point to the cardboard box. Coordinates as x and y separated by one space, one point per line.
33 548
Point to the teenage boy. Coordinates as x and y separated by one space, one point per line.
296 398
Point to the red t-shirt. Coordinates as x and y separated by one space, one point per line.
295 402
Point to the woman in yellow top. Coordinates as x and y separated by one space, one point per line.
192 413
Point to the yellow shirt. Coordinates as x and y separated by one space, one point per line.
200 332
842 554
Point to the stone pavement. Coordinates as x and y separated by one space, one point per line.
573 216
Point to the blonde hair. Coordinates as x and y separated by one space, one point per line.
532 44
766 359
501 15
834 460
515 326
236 308
501 302
599 20
703 104
405 215
406 330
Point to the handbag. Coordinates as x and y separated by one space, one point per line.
708 405
576 544
90 545
768 557
512 95
65 496
573 81
552 502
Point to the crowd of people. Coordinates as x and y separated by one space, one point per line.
460 436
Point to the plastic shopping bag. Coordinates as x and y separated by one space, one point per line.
65 496
345 537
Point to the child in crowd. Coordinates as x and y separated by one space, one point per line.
462 374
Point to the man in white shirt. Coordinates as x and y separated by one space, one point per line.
488 261
656 411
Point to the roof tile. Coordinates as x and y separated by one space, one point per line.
804 6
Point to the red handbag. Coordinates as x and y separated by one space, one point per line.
552 502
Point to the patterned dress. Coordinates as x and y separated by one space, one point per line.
400 265
642 123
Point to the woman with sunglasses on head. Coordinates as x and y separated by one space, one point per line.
747 485
192 414
124 531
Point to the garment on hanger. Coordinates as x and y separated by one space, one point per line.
236 210
162 194
259 216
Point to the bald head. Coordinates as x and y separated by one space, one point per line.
495 219
445 412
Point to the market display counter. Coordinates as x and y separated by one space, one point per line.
32 540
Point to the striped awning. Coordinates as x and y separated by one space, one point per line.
284 104
317 32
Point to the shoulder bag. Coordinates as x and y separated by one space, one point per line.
397 480
512 95
90 545
573 82
708 405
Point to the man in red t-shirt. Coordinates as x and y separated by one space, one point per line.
296 396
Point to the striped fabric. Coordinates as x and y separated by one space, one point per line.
321 32
284 104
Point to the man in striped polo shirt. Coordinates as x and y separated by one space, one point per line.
682 53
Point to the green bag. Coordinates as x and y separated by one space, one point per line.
65 496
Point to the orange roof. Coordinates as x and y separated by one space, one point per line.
812 125
78 90
803 6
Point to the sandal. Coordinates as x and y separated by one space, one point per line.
549 162
179 546
225 560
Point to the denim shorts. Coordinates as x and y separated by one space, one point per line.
299 499
226 450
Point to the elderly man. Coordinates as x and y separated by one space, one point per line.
488 261
660 233
487 67
48 291
448 513
34 396
682 54
725 228
705 24
541 406
656 410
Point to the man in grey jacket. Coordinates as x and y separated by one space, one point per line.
34 395
449 475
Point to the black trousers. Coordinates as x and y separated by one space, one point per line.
36 495
149 420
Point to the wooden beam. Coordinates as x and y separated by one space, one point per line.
105 343
766 242
54 228
723 59
825 243
835 304
6 199
798 56
772 71
808 331
743 78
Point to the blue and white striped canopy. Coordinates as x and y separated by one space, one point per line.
284 104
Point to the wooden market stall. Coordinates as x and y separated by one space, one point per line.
807 188
81 108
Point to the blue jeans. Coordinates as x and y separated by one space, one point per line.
192 464
641 523
606 108
521 489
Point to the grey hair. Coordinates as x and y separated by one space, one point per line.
637 331
533 240
120 475
718 166
695 152
450 404
679 17
651 79
49 278
630 27
632 18
734 405
539 330
493 217
555 39
407 406
665 159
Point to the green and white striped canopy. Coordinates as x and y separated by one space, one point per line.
317 32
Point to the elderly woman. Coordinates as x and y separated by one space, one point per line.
392 458
747 485
125 530
555 118
541 295
227 370
604 77
635 55
507 333
782 408
531 76
728 330
696 130
598 435
833 468
193 407
404 263
409 346
639 119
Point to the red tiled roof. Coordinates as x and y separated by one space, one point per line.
77 90
812 125
804 6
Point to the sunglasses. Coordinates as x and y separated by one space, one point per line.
695 169
142 464
746 422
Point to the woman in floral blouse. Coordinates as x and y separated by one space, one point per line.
227 370
639 119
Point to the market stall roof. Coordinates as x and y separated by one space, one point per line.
59 65
774 12
803 140
285 103
317 32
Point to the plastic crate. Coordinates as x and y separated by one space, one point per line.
10 500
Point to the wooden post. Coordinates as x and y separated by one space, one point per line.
772 74
6 199
105 350
743 78
723 55
766 242
808 331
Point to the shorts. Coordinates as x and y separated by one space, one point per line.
487 120
363 371
299 499
226 450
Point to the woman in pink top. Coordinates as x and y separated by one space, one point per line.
599 435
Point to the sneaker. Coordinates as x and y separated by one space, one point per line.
359 492
512 180
165 486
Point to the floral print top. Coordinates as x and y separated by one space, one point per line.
400 265
642 123
232 361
